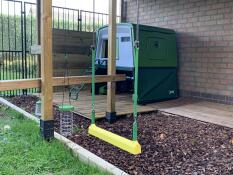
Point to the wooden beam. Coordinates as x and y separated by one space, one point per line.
111 56
46 61
6 85
72 80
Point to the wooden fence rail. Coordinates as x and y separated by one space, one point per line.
57 81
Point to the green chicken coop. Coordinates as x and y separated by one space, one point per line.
157 80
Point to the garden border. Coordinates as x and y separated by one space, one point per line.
83 154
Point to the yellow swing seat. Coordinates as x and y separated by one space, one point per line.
130 146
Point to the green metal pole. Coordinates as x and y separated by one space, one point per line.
93 55
93 85
135 96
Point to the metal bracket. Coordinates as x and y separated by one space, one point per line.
47 129
111 117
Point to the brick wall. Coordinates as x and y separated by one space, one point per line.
205 42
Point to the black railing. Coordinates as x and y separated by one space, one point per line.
87 17
65 18
18 26
11 42
72 19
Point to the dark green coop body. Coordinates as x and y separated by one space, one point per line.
157 47
157 79
157 84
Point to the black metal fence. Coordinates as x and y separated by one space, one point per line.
87 17
18 26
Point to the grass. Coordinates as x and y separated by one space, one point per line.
22 151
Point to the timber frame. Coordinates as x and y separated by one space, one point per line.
47 81
111 112
6 85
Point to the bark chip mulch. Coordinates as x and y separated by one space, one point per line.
170 144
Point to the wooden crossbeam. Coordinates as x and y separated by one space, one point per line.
6 85
57 81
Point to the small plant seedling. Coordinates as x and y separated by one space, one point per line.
194 142
78 130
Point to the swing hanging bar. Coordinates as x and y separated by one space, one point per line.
131 146
93 55
135 95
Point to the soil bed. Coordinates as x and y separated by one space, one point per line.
170 144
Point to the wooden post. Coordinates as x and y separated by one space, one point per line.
47 120
111 113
